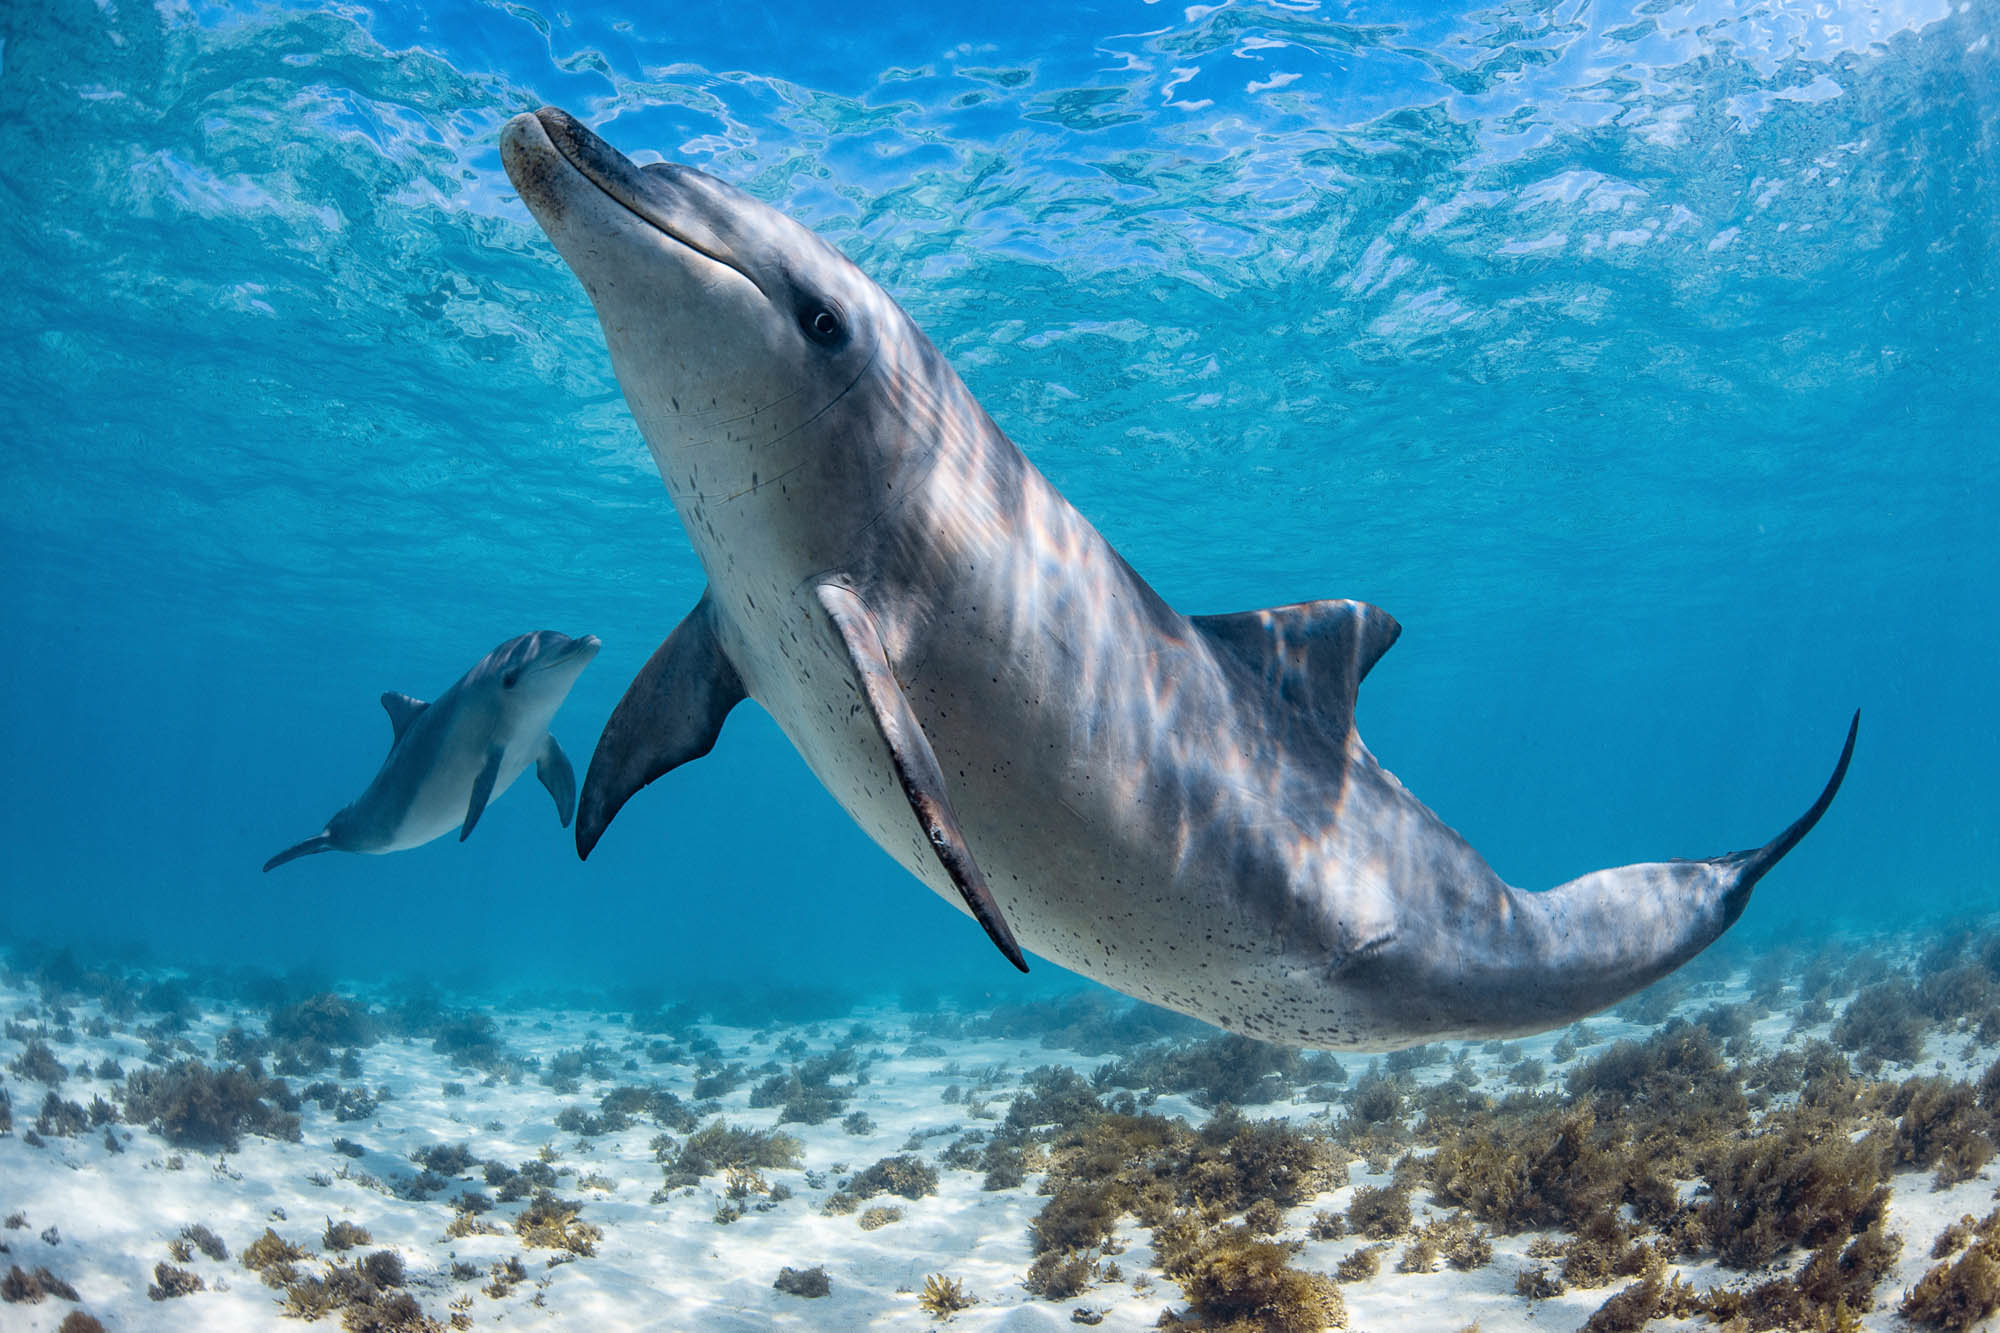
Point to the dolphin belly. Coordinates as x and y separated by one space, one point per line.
437 804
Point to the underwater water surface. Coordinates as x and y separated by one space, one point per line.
1638 356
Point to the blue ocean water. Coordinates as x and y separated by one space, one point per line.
1639 357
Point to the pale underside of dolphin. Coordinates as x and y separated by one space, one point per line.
452 756
1177 806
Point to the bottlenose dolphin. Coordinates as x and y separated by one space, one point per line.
454 755
1176 806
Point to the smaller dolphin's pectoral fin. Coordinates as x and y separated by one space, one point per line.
318 842
671 713
552 767
1311 655
915 762
482 792
402 710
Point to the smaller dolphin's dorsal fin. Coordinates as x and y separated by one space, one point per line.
402 710
1311 656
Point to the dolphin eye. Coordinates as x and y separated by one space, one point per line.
822 325
507 681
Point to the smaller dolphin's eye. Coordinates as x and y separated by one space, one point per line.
507 681
823 323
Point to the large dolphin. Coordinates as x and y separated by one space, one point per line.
454 755
1177 806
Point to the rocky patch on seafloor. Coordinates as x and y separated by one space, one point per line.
1804 1143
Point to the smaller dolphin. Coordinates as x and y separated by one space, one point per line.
453 755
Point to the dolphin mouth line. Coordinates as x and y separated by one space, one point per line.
586 647
610 191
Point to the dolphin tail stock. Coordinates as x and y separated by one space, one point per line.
1609 934
318 842
1521 962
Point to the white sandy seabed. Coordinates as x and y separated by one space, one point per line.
101 1220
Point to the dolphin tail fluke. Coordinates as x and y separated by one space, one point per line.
318 842
1752 865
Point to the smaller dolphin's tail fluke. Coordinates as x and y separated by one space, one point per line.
318 842
1751 866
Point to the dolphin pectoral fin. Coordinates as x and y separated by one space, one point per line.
552 767
482 792
318 842
671 713
1312 656
915 762
402 710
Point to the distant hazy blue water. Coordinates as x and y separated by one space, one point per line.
1641 358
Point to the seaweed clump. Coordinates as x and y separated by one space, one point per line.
1799 1181
553 1224
1226 1070
344 1235
719 1146
943 1297
1939 1124
327 1018
905 1175
193 1105
1380 1212
367 1296
810 1283
446 1159
618 1107
1174 1180
38 1063
1644 1109
1957 1294
1234 1280
20 1286
210 1244
471 1040
170 1282
806 1094
272 1258
61 1119
1882 1023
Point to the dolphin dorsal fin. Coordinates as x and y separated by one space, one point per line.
1311 656
402 710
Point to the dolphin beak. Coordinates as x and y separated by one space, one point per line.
546 151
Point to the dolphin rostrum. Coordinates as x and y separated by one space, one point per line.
454 755
1176 806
